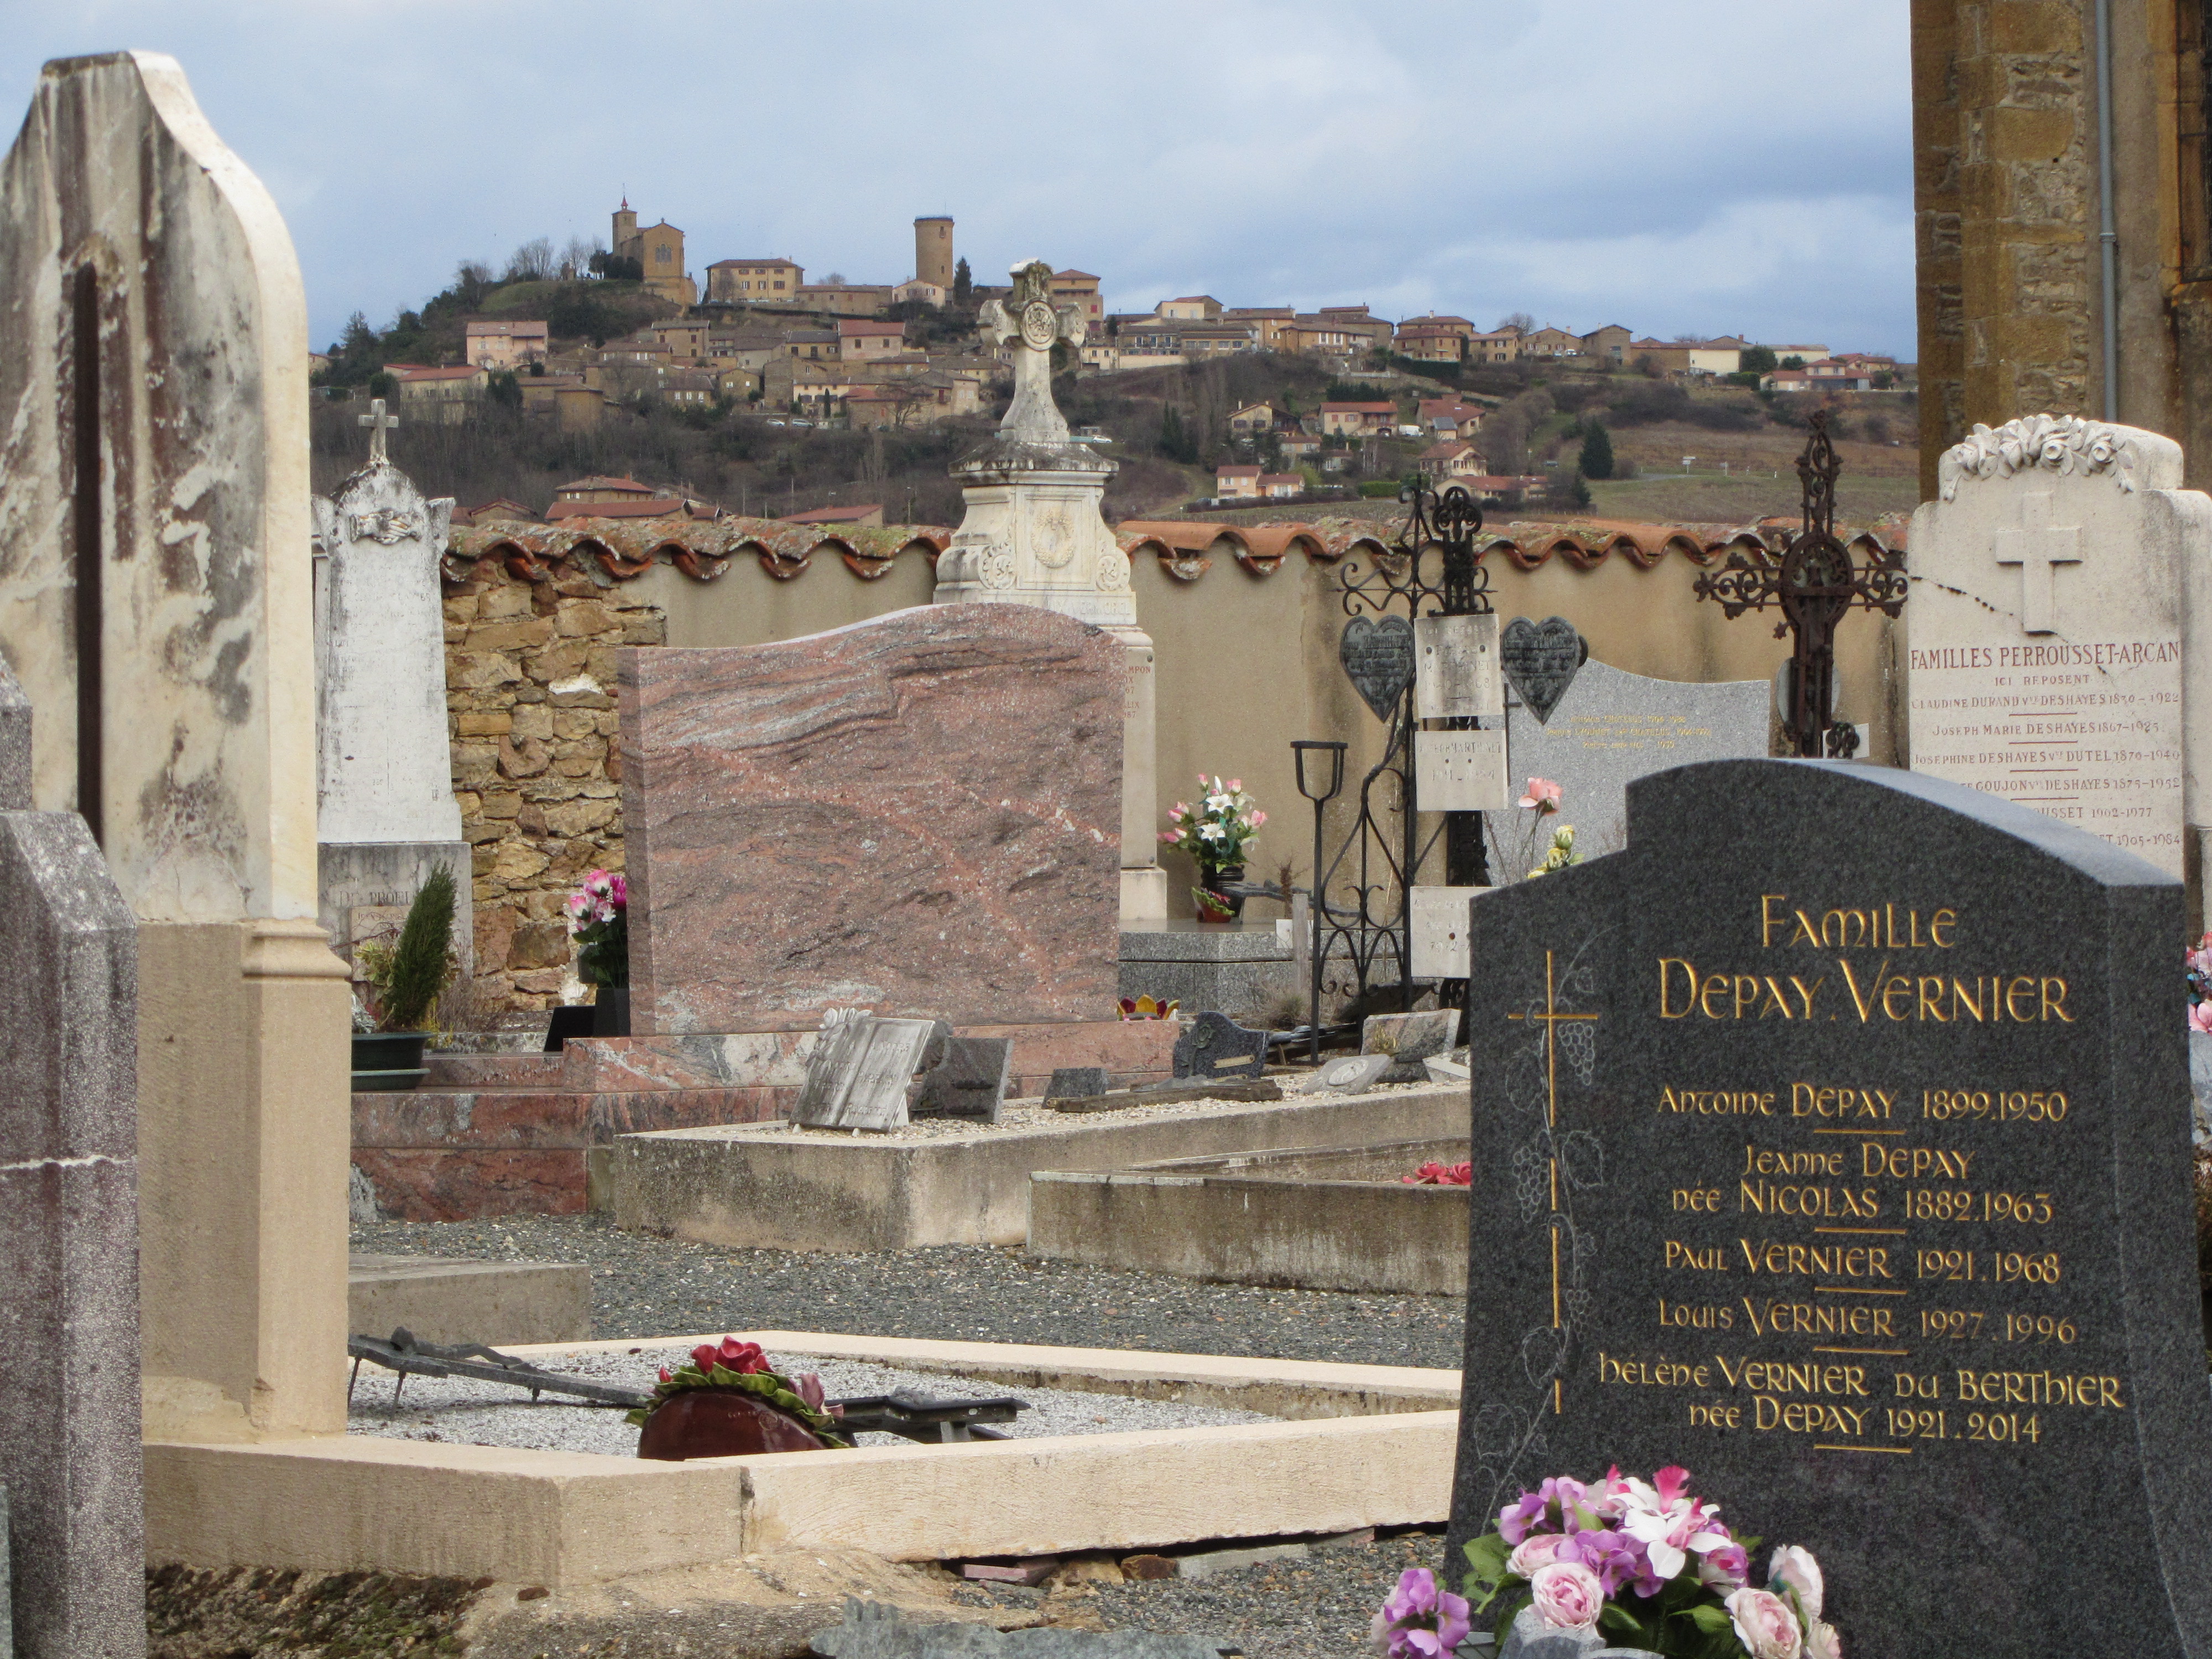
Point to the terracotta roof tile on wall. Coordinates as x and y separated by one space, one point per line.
621 549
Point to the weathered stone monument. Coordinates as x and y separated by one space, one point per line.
386 813
1034 535
1847 1166
155 601
2057 587
913 816
1606 727
69 1232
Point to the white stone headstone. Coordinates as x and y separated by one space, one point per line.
2053 584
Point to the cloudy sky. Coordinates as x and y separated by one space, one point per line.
1728 166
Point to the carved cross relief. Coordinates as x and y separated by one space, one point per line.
2039 547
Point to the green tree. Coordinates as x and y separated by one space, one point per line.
504 389
1597 451
1177 441
963 285
420 964
1791 362
1755 359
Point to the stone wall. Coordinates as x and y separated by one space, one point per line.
529 678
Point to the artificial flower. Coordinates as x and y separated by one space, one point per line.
1568 1595
1419 1619
1543 796
1538 1550
1765 1625
2200 1015
1725 1569
745 1358
1793 1568
1821 1642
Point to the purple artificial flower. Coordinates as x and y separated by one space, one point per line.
1545 1510
1617 1559
1420 1621
1726 1569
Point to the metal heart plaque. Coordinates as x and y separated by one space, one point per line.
1541 660
1377 654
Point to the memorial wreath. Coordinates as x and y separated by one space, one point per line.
744 1367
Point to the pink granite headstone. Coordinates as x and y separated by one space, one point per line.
917 815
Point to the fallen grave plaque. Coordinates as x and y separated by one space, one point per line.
1850 1171
1354 1074
970 1081
1214 1045
861 1075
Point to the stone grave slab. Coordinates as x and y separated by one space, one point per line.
1461 771
1409 1039
1540 661
918 815
1377 654
1076 1082
1353 1074
1851 1172
1609 726
1213 1045
68 1245
969 1082
1456 674
1440 931
2054 590
861 1075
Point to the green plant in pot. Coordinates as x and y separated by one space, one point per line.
405 980
1216 833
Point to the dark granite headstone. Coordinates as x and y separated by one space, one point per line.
1077 1083
1541 660
969 1081
1839 1155
1213 1045
70 1422
1377 654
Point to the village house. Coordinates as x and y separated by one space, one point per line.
1785 379
496 345
1280 486
1832 374
1077 291
1609 343
1447 417
1803 353
1232 482
1429 342
1252 420
568 399
1359 322
1265 321
811 344
862 341
845 299
1552 342
1298 446
915 288
753 282
1453 462
684 336
601 489
442 396
1318 334
659 251
1191 308
1356 419
1201 340
1499 345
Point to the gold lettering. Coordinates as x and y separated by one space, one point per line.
2057 1006
1774 1001
1939 921
1899 982
1716 985
1865 1005
1665 1012
1931 997
1767 922
2021 985
1747 992
1959 999
1806 996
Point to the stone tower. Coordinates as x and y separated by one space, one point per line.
933 252
625 225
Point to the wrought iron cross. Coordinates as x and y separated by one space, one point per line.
1814 585
377 423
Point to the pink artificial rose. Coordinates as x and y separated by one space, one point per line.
1539 1550
808 1386
1235 784
618 890
1543 793
1792 1567
1765 1625
1568 1596
1724 1568
1258 819
1821 1642
2200 1015
1169 837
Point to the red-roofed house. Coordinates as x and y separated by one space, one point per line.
599 488
860 339
1452 463
866 515
1352 419
1077 291
1191 308
442 395
505 345
1233 480
1277 486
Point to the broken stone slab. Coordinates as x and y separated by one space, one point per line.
1209 1562
1409 1039
1078 1083
969 1082
871 1630
1354 1074
862 1073
1214 1045
1442 1070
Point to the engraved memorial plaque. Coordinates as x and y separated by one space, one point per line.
862 1074
1377 654
1440 931
1539 660
1456 674
1845 1163
1460 771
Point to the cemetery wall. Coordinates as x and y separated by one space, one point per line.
530 680
1247 662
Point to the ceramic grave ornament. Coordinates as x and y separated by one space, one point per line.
1541 660
1377 654
2057 620
1034 534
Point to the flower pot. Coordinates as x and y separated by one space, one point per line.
719 1423
610 1010
1213 904
386 1060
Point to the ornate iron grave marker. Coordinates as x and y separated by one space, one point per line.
1377 654
1541 660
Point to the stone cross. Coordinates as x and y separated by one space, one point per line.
2038 547
1028 319
377 423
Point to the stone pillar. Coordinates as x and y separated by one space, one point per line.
69 1232
387 816
1034 534
155 602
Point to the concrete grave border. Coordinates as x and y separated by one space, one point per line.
1370 1445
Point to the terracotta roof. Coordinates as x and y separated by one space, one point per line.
468 372
495 330
1074 275
1360 408
628 486
702 549
650 508
720 264
1236 471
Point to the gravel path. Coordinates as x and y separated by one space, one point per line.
458 1408
646 1287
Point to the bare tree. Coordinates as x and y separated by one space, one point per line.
531 263
576 257
1520 319
835 279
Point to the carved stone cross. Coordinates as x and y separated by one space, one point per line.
1028 319
2038 547
377 423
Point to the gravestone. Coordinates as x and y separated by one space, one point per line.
1213 1045
1034 534
914 814
155 602
862 1074
1848 1171
1409 1039
1076 1082
2055 590
1460 771
1457 675
1353 1074
1378 659
969 1082
69 1463
1438 920
387 816
1541 660
1609 727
